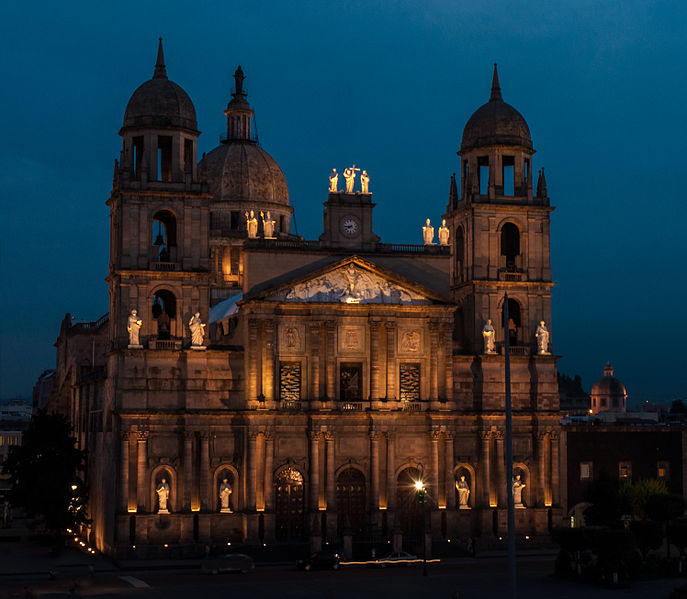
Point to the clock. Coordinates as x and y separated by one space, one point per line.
350 226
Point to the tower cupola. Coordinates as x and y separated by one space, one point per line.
239 113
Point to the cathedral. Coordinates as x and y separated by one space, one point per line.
259 387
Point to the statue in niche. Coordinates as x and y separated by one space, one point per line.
364 182
334 182
349 175
428 233
488 335
251 225
267 225
542 335
133 327
224 495
463 488
443 233
518 486
197 330
410 341
292 338
162 497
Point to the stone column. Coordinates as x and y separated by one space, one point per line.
374 470
204 469
447 335
450 477
434 466
555 470
331 359
124 472
268 361
548 500
433 362
375 372
542 439
390 360
390 472
331 474
502 476
252 471
141 488
315 392
314 470
486 467
269 466
253 349
188 468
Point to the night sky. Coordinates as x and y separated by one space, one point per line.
388 86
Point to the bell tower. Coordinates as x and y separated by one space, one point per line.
500 231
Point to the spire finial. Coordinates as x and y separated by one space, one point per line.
160 71
238 80
495 87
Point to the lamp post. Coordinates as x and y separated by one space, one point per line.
421 496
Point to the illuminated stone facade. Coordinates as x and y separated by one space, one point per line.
346 368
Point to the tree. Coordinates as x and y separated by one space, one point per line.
665 507
635 494
44 473
678 407
607 504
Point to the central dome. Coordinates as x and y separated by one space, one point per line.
496 123
242 170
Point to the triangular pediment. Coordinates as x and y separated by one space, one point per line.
354 282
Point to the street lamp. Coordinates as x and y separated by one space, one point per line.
421 496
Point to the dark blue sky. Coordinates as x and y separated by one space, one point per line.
388 86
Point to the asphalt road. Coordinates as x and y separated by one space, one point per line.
463 578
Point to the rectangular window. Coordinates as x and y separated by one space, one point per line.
409 381
138 156
625 471
663 471
508 174
483 164
586 472
235 221
164 157
281 223
290 381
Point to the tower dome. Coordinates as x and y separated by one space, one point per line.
608 393
495 123
160 102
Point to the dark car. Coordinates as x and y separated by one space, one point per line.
230 562
322 560
399 558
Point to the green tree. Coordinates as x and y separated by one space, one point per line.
44 473
635 495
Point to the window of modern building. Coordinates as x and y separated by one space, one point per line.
663 470
586 471
625 471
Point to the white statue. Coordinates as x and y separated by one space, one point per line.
197 330
349 175
488 335
542 335
162 497
428 233
252 225
443 233
224 494
364 182
463 489
518 486
133 326
267 225
334 182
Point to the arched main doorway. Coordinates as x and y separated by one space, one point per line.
350 501
289 505
409 509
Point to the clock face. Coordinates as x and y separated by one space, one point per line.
350 226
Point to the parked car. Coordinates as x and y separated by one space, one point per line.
398 558
230 562
322 560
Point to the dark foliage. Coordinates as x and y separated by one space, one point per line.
678 407
648 534
43 470
607 504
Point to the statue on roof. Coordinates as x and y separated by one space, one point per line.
197 330
251 225
488 336
334 182
133 327
364 182
428 233
542 335
443 233
349 175
267 225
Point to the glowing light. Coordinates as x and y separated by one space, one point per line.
74 487
527 537
228 544
166 545
418 485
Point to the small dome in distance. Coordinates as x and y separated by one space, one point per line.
608 393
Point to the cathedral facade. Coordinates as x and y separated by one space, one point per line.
323 378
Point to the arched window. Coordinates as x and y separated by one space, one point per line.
164 312
409 509
164 235
513 320
289 505
351 508
510 244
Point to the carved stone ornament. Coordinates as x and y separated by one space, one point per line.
410 341
353 285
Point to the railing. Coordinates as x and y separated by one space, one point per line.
290 405
164 344
512 276
382 248
412 406
517 350
95 324
164 266
351 406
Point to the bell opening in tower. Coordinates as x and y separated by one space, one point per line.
164 313
513 321
508 175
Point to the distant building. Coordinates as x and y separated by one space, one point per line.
608 394
42 389
574 400
14 419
